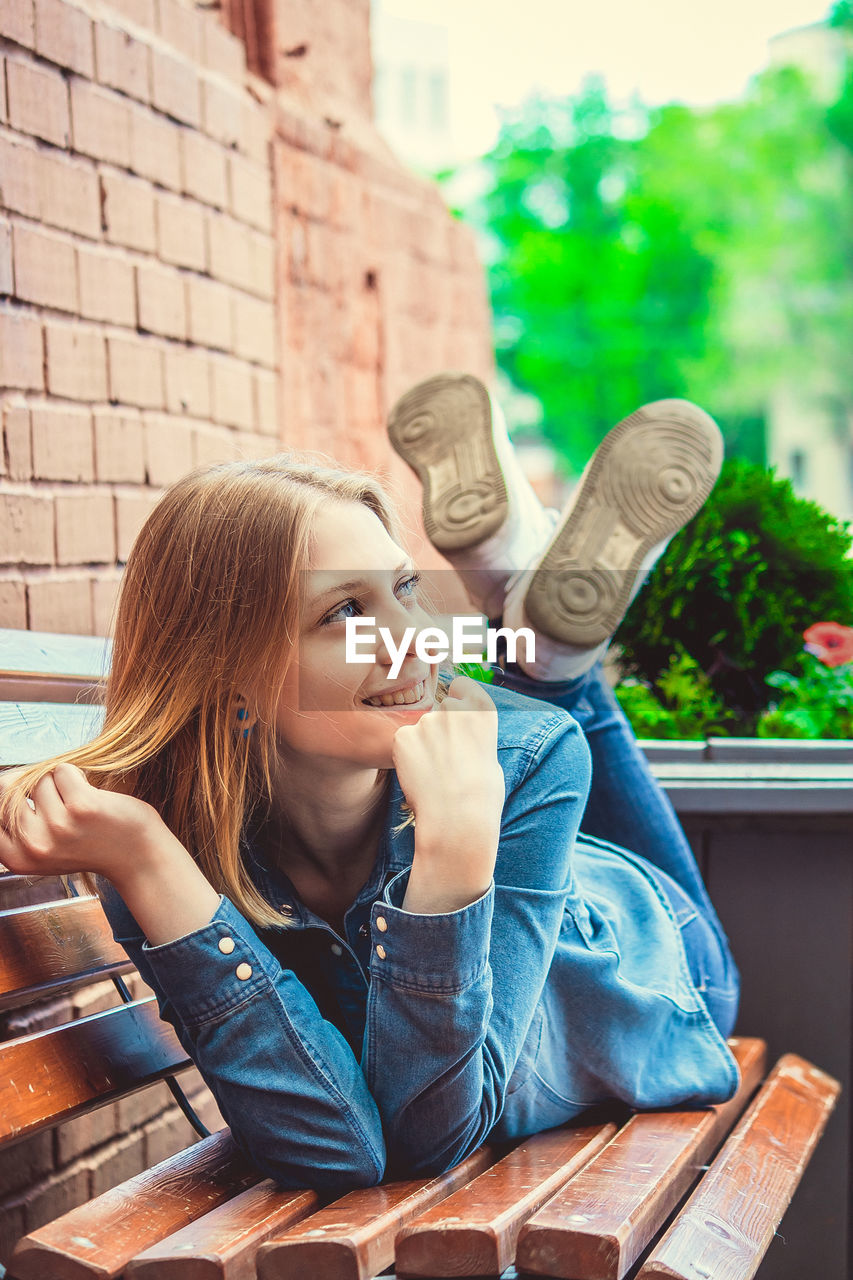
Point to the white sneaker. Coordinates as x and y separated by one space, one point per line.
479 509
647 478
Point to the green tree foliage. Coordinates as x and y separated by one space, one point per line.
639 254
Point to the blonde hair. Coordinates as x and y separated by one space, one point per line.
209 607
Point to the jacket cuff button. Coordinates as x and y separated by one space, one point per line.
381 924
243 971
226 946
380 951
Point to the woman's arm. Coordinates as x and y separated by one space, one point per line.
285 1079
453 994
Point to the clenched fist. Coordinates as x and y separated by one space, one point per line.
448 770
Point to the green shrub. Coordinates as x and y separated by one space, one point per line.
736 588
818 703
681 704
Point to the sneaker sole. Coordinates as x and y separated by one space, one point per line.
648 477
442 428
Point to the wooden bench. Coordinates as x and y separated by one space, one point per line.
679 1193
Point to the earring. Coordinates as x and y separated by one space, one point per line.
242 713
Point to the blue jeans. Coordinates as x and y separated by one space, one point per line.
628 807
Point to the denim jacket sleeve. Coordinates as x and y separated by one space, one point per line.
452 997
284 1078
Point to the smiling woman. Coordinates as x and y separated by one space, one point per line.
360 988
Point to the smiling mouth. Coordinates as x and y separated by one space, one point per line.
410 698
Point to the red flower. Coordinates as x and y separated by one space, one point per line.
830 643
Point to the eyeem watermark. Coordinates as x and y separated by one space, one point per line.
432 644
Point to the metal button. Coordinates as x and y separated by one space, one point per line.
337 949
381 924
243 971
363 930
380 951
287 908
226 946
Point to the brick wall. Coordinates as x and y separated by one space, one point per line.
196 263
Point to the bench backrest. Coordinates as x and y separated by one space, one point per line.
55 946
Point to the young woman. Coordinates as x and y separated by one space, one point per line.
364 903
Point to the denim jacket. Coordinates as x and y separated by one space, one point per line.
403 1044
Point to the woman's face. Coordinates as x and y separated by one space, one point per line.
356 570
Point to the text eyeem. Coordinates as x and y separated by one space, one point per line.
432 644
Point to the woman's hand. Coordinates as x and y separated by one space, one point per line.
449 772
74 826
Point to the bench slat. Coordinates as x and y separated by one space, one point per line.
33 686
474 1232
56 1074
353 1238
34 731
50 653
222 1244
727 1224
99 1239
54 946
598 1226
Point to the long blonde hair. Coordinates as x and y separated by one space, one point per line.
209 605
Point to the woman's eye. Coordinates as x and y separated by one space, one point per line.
407 587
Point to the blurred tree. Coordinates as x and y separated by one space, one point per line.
708 253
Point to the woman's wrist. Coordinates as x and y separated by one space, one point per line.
452 867
165 891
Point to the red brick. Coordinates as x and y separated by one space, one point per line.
13 611
104 594
168 448
187 382
70 194
140 12
85 534
138 1108
254 329
119 455
101 995
56 1195
167 1136
123 62
180 232
21 352
180 26
6 277
261 264
136 372
155 147
76 1137
20 184
17 22
62 443
45 268
13 1225
230 252
132 510
18 450
209 312
221 51
117 1163
213 444
129 212
100 122
26 529
252 445
64 605
3 106
64 36
221 107
233 397
161 304
28 1160
205 173
106 286
38 101
175 87
256 131
266 402
250 189
76 361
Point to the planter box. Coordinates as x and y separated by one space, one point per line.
771 822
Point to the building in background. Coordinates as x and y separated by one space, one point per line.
411 90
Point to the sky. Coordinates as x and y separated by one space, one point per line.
693 51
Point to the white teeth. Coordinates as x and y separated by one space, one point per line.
399 698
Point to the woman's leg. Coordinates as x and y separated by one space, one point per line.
628 807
